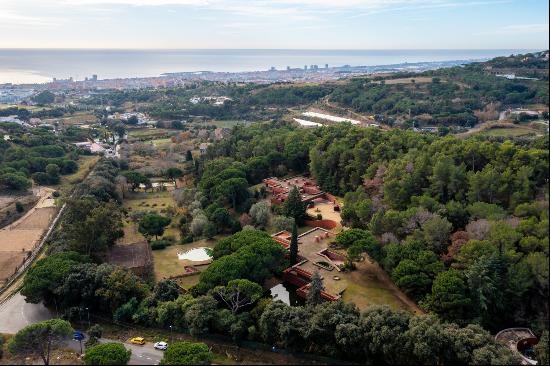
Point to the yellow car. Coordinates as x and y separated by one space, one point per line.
137 340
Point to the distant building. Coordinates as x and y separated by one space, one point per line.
14 119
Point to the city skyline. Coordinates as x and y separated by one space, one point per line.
266 24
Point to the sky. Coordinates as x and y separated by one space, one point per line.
275 24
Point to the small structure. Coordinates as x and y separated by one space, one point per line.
521 341
203 147
137 257
309 190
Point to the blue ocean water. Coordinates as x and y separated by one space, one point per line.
41 65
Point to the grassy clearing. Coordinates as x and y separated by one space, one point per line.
508 132
78 118
225 124
417 80
168 265
27 107
131 233
364 295
85 165
159 142
142 201
149 133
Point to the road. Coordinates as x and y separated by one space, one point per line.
16 314
141 355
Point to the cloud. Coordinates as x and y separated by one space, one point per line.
8 18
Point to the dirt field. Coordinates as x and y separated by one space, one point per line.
19 238
417 80
7 261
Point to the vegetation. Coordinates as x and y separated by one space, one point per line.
36 153
460 225
153 224
187 353
40 339
107 354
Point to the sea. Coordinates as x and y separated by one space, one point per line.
21 66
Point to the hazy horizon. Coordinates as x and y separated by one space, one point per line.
18 65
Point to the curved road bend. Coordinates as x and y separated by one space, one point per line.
15 314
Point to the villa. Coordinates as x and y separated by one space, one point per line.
309 190
314 255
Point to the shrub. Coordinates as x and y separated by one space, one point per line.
187 353
187 239
107 354
160 244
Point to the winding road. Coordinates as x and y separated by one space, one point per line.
15 314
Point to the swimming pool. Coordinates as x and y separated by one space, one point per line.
196 255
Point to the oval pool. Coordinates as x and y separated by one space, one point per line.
196 255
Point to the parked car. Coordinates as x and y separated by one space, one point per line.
138 340
161 346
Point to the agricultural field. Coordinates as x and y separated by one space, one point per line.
223 123
161 202
19 238
510 132
77 118
145 134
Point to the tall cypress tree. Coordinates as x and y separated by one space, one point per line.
294 245
294 207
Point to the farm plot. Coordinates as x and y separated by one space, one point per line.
20 238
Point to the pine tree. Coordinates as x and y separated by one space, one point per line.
189 156
314 294
294 245
294 207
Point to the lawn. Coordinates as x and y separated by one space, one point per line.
370 285
143 201
168 265
372 294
